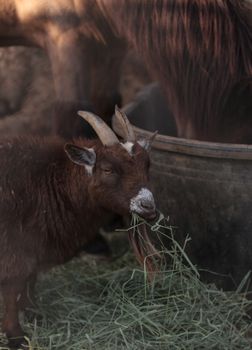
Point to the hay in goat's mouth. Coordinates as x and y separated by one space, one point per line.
142 243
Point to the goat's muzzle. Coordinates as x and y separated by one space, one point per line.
143 204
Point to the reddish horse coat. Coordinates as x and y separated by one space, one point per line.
200 51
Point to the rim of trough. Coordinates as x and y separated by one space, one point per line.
191 147
197 148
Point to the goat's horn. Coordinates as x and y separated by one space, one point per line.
105 134
121 122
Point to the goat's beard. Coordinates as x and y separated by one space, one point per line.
144 250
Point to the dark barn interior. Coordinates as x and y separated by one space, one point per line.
159 229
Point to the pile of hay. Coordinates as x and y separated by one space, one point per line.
111 306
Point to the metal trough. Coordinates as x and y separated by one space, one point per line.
205 188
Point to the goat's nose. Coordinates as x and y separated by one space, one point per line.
143 204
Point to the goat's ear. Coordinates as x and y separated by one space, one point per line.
82 156
146 143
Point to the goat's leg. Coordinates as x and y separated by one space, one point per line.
27 297
11 290
71 71
98 246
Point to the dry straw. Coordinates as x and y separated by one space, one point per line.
86 305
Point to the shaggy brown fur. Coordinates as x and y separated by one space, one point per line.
201 52
50 207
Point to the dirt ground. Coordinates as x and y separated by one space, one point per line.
27 93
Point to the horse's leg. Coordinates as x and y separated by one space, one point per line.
71 74
106 74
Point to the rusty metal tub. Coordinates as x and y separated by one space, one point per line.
205 188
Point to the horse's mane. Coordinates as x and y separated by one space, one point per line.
201 52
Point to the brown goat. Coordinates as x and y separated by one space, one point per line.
55 197
200 51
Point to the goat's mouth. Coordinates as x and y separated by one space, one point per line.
148 216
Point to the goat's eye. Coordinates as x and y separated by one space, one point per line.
107 171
